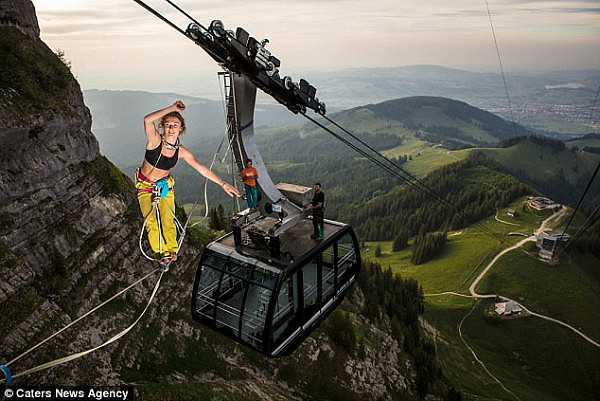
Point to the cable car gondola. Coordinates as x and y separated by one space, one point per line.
273 307
267 284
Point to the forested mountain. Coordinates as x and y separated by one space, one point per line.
441 120
418 132
457 195
558 171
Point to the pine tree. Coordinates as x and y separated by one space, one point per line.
213 219
400 241
223 221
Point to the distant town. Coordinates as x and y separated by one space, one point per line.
584 116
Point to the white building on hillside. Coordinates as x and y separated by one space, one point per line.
508 308
540 203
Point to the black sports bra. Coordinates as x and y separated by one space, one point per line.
156 159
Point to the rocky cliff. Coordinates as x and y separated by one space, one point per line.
68 220
20 15
69 226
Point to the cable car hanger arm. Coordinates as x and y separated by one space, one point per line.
241 53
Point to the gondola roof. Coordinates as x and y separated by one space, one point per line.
296 243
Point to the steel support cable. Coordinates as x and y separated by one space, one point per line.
186 14
497 48
165 19
587 224
388 168
362 152
412 181
513 121
160 16
579 203
423 187
410 178
398 175
85 315
194 20
212 163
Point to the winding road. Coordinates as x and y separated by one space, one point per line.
474 294
473 286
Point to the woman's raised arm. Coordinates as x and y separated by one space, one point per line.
150 128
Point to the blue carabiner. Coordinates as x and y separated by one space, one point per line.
8 375
163 184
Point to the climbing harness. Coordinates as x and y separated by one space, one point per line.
159 189
162 188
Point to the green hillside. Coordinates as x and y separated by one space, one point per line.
588 143
533 359
557 171
439 120
32 77
523 354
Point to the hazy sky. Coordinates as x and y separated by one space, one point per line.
116 44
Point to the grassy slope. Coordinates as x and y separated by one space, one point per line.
568 291
535 359
426 157
540 162
592 142
32 77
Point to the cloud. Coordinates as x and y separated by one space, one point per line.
100 36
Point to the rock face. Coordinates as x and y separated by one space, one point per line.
68 221
20 14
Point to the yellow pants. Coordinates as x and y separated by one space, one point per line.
163 239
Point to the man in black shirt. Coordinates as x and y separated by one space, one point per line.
317 205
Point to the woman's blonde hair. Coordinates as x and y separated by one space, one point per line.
173 114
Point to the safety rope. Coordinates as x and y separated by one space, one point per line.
80 354
212 163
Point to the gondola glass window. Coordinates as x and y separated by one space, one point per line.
229 289
272 309
328 272
287 312
345 257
